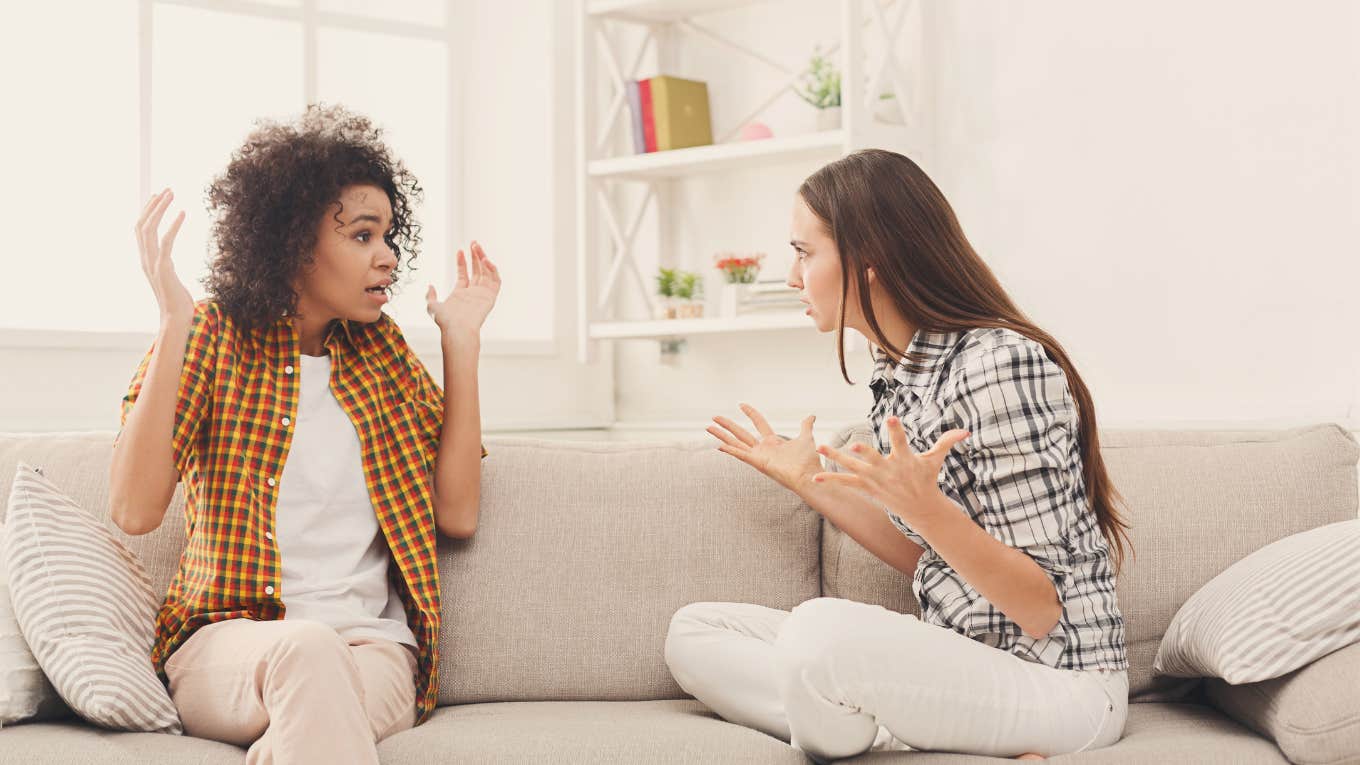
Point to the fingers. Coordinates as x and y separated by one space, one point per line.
168 241
462 270
841 458
431 298
492 272
140 230
869 455
476 263
719 434
947 442
740 454
153 222
840 479
736 430
806 428
897 436
757 419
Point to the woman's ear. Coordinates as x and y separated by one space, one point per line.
873 277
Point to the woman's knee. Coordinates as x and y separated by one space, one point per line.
304 641
687 622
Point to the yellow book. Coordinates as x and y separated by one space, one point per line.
680 113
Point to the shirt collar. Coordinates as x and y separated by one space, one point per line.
929 349
338 330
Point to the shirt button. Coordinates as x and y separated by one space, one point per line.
286 420
288 370
269 535
271 482
269 590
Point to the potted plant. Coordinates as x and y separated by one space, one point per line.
821 87
687 289
665 288
738 271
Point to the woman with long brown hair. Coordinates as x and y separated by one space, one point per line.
985 485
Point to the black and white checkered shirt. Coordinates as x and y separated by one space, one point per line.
1019 476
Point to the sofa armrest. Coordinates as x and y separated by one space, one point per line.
1312 713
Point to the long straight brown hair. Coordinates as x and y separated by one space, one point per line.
885 213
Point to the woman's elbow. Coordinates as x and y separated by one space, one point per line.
132 523
458 530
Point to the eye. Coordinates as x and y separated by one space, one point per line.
363 236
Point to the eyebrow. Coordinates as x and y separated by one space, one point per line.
365 217
798 243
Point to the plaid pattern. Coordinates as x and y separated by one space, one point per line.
233 427
1019 476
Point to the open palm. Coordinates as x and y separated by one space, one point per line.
786 460
473 295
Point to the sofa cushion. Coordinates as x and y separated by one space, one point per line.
1198 502
1154 733
583 553
62 743
1313 713
85 607
659 732
1276 610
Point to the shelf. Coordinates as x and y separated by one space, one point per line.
737 155
661 11
753 322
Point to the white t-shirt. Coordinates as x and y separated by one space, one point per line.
332 552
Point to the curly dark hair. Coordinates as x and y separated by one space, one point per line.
266 205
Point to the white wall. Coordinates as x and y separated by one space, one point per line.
1169 188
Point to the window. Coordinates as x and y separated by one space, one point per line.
137 95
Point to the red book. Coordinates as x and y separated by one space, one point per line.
648 123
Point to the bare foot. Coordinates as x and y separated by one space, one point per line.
1031 756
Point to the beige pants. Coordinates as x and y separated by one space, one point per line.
293 691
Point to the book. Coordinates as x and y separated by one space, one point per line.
635 112
679 111
648 118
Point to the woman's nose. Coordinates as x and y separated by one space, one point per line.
794 280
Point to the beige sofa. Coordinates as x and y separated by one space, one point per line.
555 613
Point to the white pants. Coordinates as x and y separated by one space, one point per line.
835 677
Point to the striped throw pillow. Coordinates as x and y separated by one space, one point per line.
86 608
1272 612
25 693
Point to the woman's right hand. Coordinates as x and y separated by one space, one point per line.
172 298
790 462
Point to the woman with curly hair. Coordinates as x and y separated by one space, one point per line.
318 455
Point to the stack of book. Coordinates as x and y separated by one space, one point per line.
768 295
669 113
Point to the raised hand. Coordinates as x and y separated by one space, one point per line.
472 298
788 461
903 479
172 298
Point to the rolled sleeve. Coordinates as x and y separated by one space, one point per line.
427 395
1025 484
195 393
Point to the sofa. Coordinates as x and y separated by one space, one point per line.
554 613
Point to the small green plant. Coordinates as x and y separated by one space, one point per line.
687 285
665 282
821 85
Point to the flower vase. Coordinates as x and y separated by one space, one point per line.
732 296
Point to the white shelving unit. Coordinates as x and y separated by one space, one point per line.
605 241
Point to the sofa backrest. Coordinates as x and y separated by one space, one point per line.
583 553
1198 501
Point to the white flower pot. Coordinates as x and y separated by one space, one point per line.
829 118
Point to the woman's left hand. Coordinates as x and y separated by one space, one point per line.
472 298
903 480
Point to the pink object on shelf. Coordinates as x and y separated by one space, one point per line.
753 131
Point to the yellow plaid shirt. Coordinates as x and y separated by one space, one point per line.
238 395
